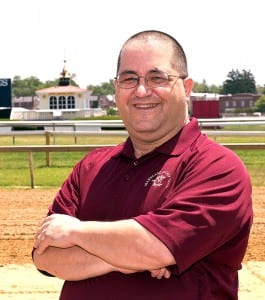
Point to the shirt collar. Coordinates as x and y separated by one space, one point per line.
182 140
175 146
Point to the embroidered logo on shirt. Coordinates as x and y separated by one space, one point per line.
159 179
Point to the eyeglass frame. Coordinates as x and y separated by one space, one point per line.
137 77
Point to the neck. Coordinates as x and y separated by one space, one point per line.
143 146
141 151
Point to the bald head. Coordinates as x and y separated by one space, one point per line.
178 60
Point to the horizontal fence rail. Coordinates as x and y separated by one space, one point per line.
87 148
52 129
99 124
47 150
48 135
81 148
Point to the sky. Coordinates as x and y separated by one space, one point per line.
217 36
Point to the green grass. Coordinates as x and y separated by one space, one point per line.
255 163
244 127
60 140
14 167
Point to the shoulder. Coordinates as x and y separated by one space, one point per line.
106 151
217 152
100 155
206 157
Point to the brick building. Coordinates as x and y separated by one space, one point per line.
230 103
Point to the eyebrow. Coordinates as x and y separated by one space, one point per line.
155 70
128 72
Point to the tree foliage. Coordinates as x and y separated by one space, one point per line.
236 82
204 88
27 86
106 88
239 82
260 104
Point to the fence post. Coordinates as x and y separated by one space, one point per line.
48 154
31 170
75 137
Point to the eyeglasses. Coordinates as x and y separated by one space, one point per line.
153 79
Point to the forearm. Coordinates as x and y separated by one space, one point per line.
123 243
71 263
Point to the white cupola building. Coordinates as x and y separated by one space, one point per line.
61 102
63 99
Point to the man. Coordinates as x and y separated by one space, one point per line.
167 214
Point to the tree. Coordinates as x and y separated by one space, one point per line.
204 88
28 86
260 104
200 87
25 87
106 88
239 82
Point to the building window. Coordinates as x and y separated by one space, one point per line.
62 102
242 102
53 102
226 103
234 103
70 102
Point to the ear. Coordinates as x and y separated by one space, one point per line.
188 85
114 82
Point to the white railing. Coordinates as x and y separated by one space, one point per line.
99 124
48 135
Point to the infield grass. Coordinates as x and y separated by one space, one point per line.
14 167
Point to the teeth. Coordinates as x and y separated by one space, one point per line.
145 105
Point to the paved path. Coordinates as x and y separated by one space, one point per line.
23 282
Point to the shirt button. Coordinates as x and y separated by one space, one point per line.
127 177
136 162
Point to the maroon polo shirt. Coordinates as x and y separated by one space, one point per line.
192 193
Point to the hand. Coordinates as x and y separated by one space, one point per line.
160 273
55 231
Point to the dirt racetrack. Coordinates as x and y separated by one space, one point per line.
23 209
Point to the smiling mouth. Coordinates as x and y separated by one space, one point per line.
145 106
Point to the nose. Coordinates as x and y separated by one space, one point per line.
142 89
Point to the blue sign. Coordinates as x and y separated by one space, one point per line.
5 97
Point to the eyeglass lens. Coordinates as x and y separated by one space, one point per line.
152 79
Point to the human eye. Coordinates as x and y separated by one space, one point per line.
128 79
157 78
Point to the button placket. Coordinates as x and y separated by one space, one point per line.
127 175
136 163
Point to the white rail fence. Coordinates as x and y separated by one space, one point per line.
97 125
50 136
52 129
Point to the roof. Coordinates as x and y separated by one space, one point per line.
61 90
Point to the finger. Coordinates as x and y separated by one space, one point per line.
167 274
161 273
38 233
38 239
157 273
41 245
153 273
43 225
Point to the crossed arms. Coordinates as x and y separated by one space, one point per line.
74 250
